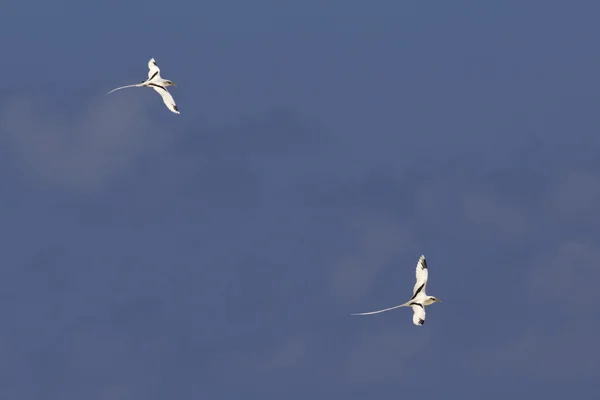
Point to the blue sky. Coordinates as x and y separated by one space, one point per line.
322 147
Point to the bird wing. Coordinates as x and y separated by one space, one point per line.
167 98
123 87
379 311
153 70
421 273
418 314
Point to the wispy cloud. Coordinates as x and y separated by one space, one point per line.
377 241
566 274
385 354
566 354
82 150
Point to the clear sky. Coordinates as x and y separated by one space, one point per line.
322 147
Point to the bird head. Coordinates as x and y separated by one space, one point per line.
169 83
434 300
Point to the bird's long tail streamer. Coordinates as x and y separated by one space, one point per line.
123 87
380 311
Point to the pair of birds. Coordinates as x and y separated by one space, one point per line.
419 300
156 82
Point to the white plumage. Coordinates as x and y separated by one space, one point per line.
156 82
419 299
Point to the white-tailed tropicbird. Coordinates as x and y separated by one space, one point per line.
157 83
419 299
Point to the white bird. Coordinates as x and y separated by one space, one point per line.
419 299
157 83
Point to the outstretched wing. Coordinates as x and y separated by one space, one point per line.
422 273
153 70
123 87
418 314
380 311
167 98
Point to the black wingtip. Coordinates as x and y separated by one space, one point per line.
421 321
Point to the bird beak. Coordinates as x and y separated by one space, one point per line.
439 301
173 84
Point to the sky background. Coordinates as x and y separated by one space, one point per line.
322 147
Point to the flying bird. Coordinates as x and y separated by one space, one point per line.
156 82
419 299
